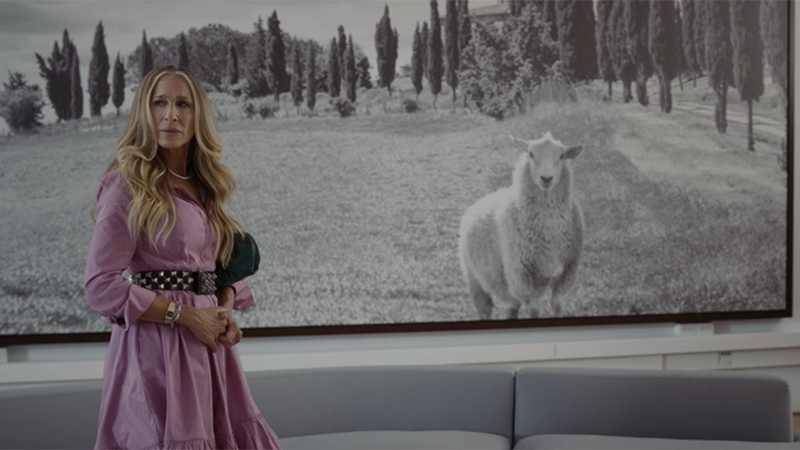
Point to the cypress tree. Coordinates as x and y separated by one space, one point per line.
276 56
76 98
342 43
351 77
341 46
699 28
257 85
661 43
748 53
774 18
118 96
69 52
386 50
334 70
311 77
296 83
576 39
57 71
363 73
425 36
719 57
435 53
623 66
464 25
451 46
604 38
464 30
99 90
636 16
687 35
147 56
232 69
677 42
183 52
48 72
395 42
416 61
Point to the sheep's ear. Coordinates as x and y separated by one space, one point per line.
573 152
523 145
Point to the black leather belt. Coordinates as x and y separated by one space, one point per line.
181 280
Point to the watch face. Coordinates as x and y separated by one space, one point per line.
170 312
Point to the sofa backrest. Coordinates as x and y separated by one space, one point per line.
642 403
62 416
420 398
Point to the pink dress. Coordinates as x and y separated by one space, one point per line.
162 387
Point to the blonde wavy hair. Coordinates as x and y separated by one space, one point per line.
152 210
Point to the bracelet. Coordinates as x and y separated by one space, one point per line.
170 312
174 319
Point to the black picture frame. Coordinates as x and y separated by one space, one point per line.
13 298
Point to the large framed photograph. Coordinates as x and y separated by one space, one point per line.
424 165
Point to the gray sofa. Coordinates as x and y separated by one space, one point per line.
462 407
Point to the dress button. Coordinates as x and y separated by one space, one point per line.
120 321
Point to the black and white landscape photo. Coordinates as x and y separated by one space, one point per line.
424 165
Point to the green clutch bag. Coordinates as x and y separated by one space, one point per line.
244 262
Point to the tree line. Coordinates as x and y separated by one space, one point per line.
63 80
223 59
268 61
21 104
496 67
628 41
730 42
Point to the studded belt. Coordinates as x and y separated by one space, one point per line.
199 282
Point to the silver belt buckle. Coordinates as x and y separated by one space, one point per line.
206 283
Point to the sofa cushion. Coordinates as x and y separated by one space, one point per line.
441 439
584 441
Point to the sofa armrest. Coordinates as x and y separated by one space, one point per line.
661 404
62 416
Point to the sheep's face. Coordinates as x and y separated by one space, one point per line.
547 158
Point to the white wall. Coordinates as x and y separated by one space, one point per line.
766 345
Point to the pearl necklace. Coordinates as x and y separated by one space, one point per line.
179 176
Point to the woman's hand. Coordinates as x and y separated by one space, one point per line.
207 324
233 334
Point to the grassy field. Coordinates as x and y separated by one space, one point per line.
357 218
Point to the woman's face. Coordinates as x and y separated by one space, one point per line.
172 109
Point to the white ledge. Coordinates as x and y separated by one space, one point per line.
677 344
65 371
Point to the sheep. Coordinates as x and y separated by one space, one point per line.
522 244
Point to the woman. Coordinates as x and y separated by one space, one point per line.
172 377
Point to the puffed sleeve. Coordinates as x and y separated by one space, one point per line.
110 251
243 298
